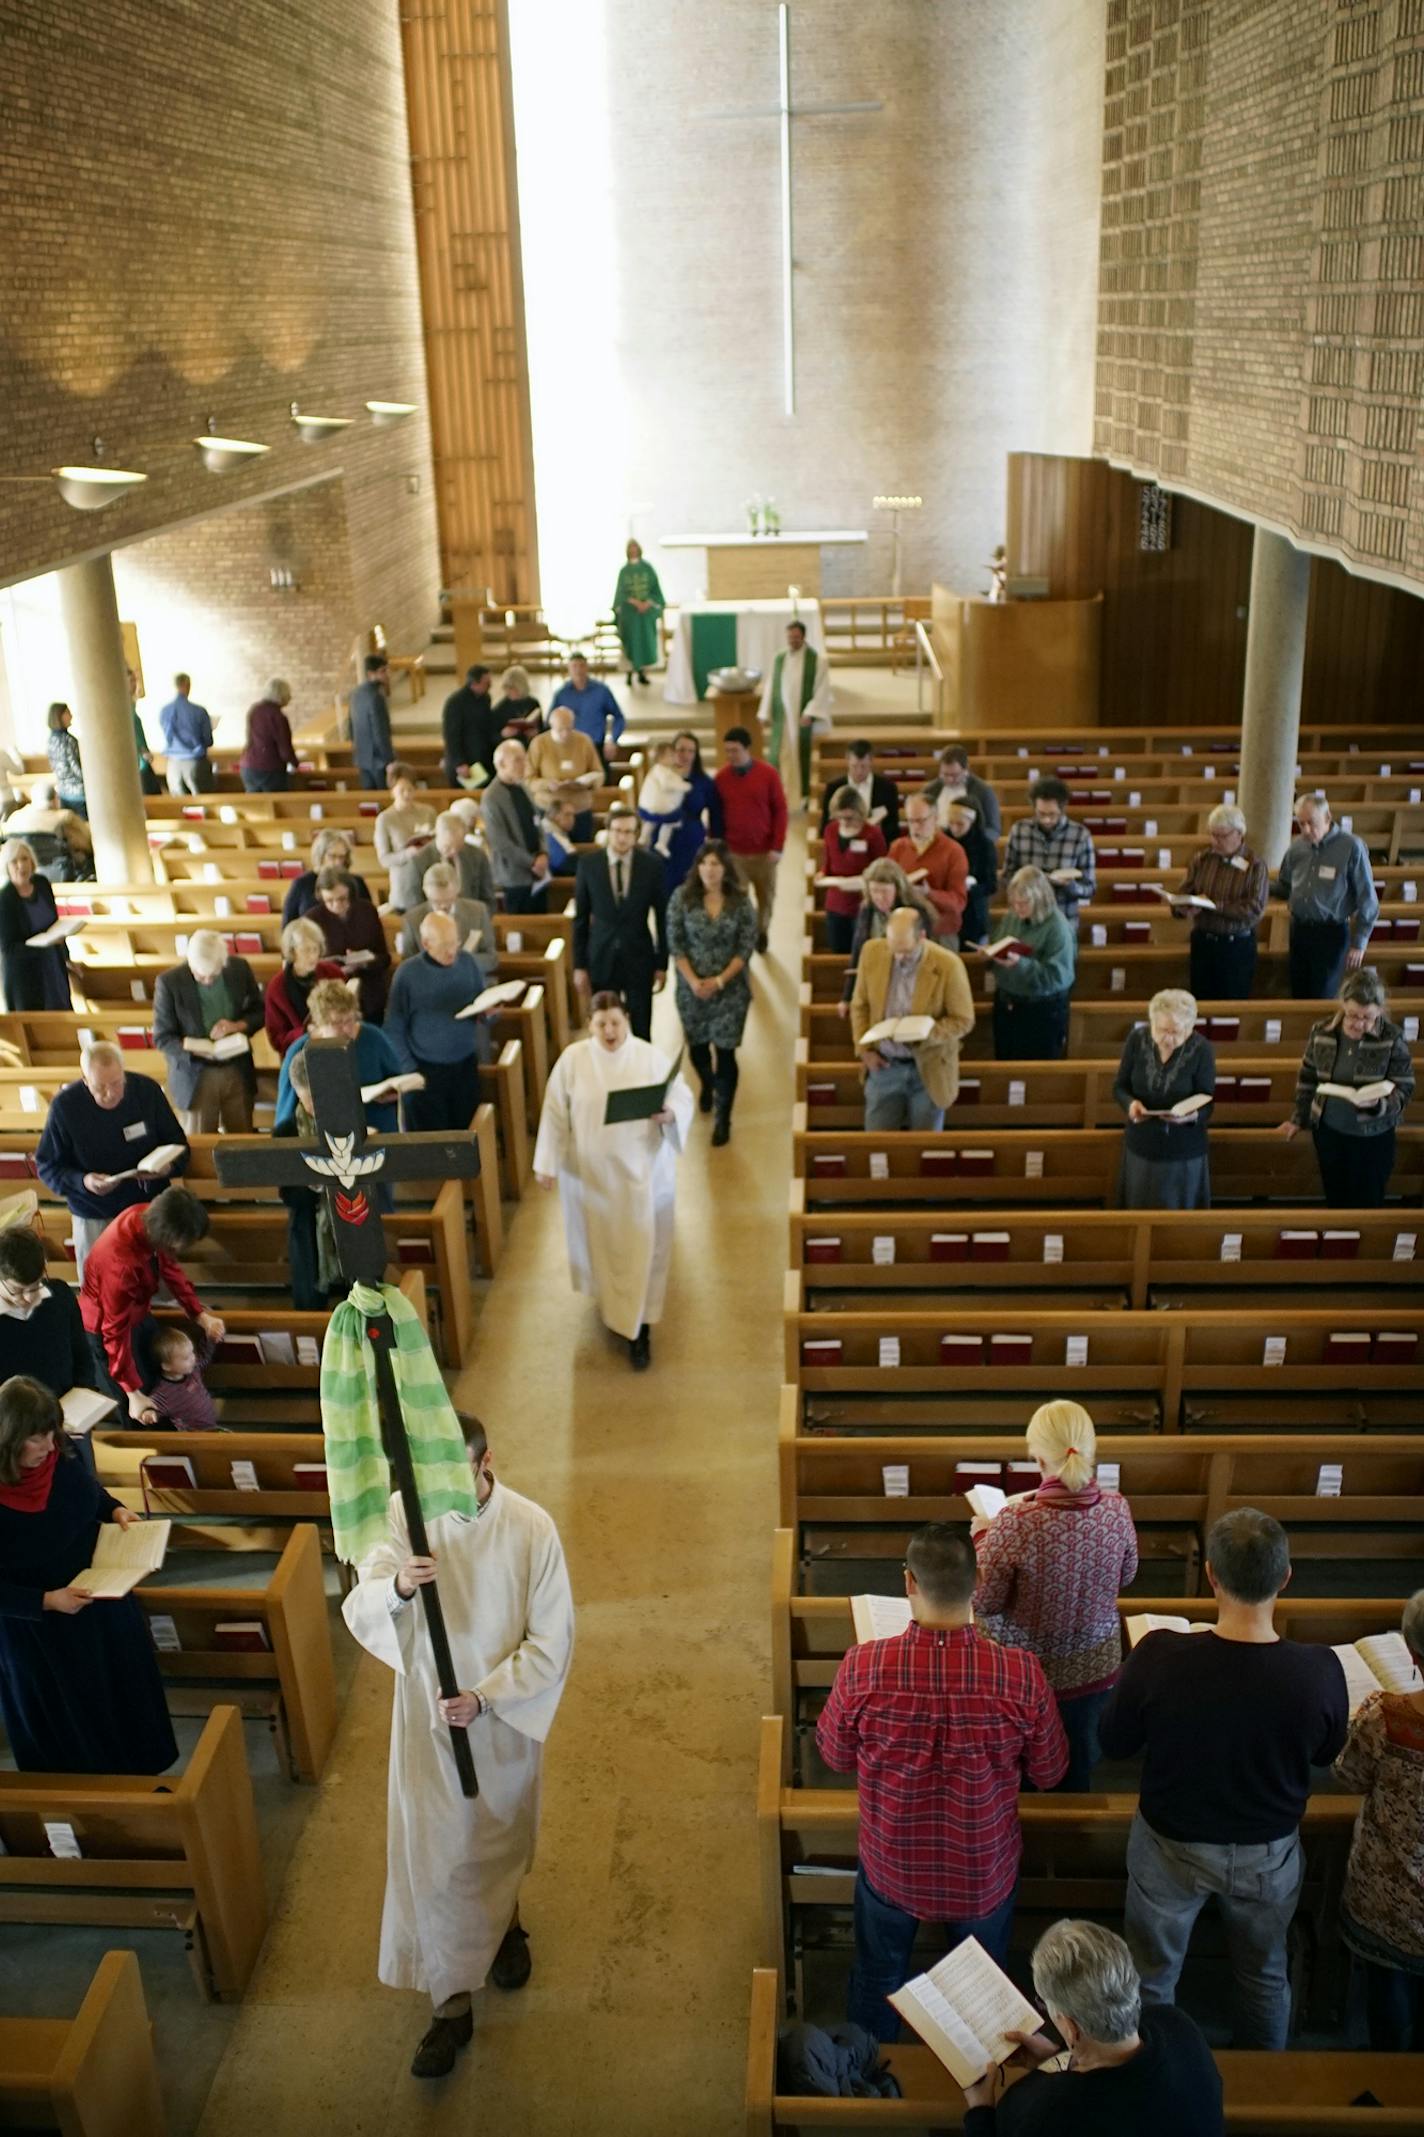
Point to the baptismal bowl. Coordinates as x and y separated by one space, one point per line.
734 679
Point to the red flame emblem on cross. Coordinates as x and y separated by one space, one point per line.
352 1209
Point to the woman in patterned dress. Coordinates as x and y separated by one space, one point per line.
1382 1912
711 927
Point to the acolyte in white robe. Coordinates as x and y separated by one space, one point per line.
616 1184
454 1865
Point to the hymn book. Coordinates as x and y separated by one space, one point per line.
1379 1662
225 1049
412 1080
59 932
1183 1109
83 1409
508 990
1181 897
158 1160
963 2009
901 1031
1365 1094
855 883
123 1556
1139 1627
1006 944
985 1500
640 1101
879 1617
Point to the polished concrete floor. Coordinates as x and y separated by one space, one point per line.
643 1904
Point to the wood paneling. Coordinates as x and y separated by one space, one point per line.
1174 623
458 92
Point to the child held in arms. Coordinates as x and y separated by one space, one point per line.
178 1394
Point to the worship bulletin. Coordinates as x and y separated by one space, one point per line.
963 2007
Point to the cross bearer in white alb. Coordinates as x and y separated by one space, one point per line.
454 1864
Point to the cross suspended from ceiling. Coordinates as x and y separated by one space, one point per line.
784 111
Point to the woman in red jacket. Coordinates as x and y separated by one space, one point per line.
851 845
304 962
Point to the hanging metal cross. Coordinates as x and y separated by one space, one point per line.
347 1165
784 111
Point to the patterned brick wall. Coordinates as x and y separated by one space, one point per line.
207 210
1261 296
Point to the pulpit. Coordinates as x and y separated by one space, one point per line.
1017 663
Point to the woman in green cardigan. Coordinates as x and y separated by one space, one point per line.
1031 992
637 604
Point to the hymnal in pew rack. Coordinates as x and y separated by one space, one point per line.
122 1556
963 2009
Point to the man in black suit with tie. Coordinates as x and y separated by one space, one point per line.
616 892
879 796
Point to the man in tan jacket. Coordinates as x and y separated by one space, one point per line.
908 1084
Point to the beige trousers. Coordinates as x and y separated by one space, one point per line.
759 869
224 1100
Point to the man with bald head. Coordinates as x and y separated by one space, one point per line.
98 1131
430 1037
910 1078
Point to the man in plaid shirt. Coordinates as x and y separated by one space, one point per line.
940 1727
1050 840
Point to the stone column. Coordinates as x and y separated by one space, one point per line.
1270 705
103 716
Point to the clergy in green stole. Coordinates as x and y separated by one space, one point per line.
810 676
638 627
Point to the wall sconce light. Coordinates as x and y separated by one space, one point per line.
283 579
313 430
87 489
221 455
383 413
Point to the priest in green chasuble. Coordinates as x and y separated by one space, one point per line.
637 604
796 704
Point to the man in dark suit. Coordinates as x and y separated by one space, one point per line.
879 796
470 727
616 892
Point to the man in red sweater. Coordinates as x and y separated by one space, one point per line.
936 865
132 1259
754 821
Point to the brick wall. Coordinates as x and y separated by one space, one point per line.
207 211
945 276
1261 312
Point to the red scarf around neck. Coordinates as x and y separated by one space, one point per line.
31 1494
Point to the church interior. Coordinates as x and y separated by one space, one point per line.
790 393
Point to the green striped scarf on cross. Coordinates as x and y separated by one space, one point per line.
358 1474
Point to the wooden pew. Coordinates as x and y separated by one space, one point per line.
1193 1368
292 1685
93 2075
1062 738
1120 919
1300 2093
982 1167
179 1852
1073 1863
214 1513
1139 1252
831 1487
1077 1093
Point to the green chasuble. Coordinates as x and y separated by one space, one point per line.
638 628
810 672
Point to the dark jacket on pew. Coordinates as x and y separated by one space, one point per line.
79 1694
50 1344
1170 2088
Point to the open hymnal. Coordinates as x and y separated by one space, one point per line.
83 1409
851 883
225 1049
963 2008
508 990
1007 945
901 1031
879 1617
357 960
1183 1109
1365 1094
1181 897
1379 1662
158 1160
59 932
1064 875
1139 1627
412 1080
123 1556
985 1500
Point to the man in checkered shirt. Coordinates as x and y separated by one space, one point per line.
1050 840
941 1727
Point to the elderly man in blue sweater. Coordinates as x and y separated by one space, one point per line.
429 1035
99 1131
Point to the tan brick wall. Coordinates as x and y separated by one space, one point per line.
945 275
205 211
1261 311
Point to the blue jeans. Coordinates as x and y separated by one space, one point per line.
884 1940
1080 1725
896 1098
1256 1887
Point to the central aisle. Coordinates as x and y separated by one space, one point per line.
642 1908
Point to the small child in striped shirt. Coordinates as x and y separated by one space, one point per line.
178 1394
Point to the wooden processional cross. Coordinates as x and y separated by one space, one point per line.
784 111
347 1163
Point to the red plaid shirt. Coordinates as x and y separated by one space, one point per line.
939 1728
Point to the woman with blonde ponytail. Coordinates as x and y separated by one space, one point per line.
1051 1567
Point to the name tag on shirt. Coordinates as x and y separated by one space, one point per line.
136 1132
858 845
1237 862
566 764
1327 875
